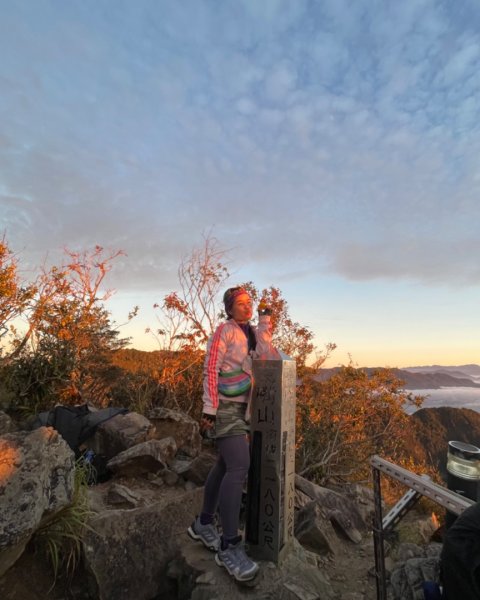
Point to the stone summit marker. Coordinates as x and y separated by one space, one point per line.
271 480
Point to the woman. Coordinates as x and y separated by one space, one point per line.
227 388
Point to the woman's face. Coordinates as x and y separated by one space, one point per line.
242 308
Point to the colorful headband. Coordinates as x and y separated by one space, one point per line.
229 298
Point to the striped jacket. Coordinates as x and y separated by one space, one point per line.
227 351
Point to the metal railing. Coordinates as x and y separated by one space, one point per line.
420 485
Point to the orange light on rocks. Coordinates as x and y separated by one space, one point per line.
435 521
9 457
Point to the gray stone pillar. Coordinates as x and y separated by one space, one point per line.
271 483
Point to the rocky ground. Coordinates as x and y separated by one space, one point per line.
347 574
351 571
136 546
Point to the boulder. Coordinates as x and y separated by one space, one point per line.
170 477
120 433
314 530
341 523
363 498
407 580
334 501
36 481
180 426
414 565
301 499
148 457
128 551
200 468
180 465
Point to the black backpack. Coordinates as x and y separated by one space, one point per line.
75 423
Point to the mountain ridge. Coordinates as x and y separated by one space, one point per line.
468 370
419 380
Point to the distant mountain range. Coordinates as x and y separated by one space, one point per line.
462 370
459 376
428 377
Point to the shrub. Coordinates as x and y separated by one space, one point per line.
60 536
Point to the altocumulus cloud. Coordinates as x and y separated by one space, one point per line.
327 136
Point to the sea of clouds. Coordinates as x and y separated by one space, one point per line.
456 397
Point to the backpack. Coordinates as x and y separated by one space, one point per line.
75 423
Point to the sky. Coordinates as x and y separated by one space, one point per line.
332 146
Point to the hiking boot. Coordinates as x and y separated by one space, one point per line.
236 561
207 534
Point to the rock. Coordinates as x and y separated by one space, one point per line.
170 477
342 511
389 564
148 457
332 500
363 498
208 577
193 572
189 486
127 551
156 480
178 425
180 465
200 468
407 551
433 550
301 499
120 495
31 578
201 593
296 570
198 578
6 424
418 570
314 530
97 500
300 591
36 481
120 433
311 558
407 580
343 524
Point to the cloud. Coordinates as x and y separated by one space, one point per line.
336 138
431 260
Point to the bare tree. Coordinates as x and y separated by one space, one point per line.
188 317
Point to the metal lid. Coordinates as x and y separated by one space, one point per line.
463 450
